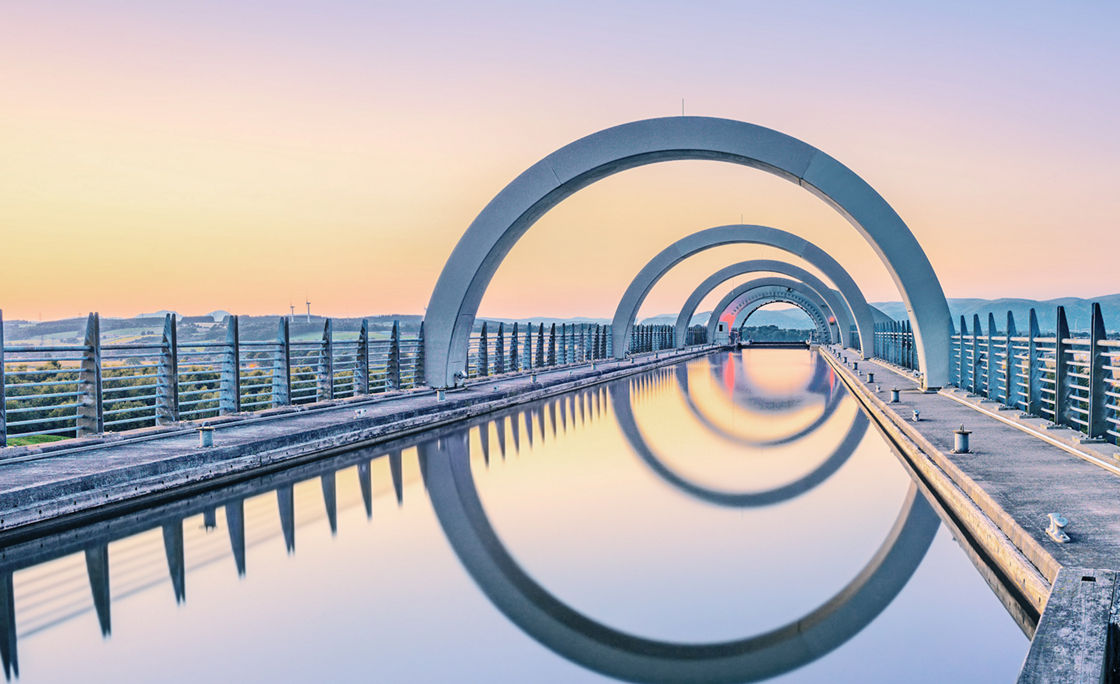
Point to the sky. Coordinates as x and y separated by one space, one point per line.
244 156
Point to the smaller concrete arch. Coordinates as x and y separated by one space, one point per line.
840 305
776 288
756 299
709 238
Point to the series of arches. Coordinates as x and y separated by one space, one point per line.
834 299
451 312
769 290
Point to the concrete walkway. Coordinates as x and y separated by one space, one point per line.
53 485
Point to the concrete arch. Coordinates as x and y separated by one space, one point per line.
774 288
453 306
849 293
750 308
759 299
446 470
718 236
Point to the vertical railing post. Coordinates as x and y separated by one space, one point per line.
361 360
990 384
974 372
3 411
167 380
1061 373
1011 365
908 344
229 393
483 353
418 370
540 346
500 350
324 369
1034 366
394 365
282 366
527 347
1098 400
961 372
90 419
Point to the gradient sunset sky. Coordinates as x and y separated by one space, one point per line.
241 155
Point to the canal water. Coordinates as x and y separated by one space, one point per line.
733 518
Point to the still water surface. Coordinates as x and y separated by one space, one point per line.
733 518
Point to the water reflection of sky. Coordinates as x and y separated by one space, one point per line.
576 509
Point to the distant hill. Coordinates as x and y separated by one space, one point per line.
148 327
1078 311
791 319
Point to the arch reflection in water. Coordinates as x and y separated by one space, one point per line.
623 410
823 383
445 465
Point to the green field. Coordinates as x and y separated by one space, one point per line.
34 439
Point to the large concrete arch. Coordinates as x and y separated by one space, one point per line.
709 238
445 466
451 311
772 288
849 292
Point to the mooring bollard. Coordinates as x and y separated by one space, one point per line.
870 376
1056 529
917 416
878 387
205 436
855 365
441 395
533 378
960 440
894 395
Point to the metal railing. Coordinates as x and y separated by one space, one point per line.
90 388
894 342
649 338
1071 380
519 348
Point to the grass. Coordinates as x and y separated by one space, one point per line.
34 439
